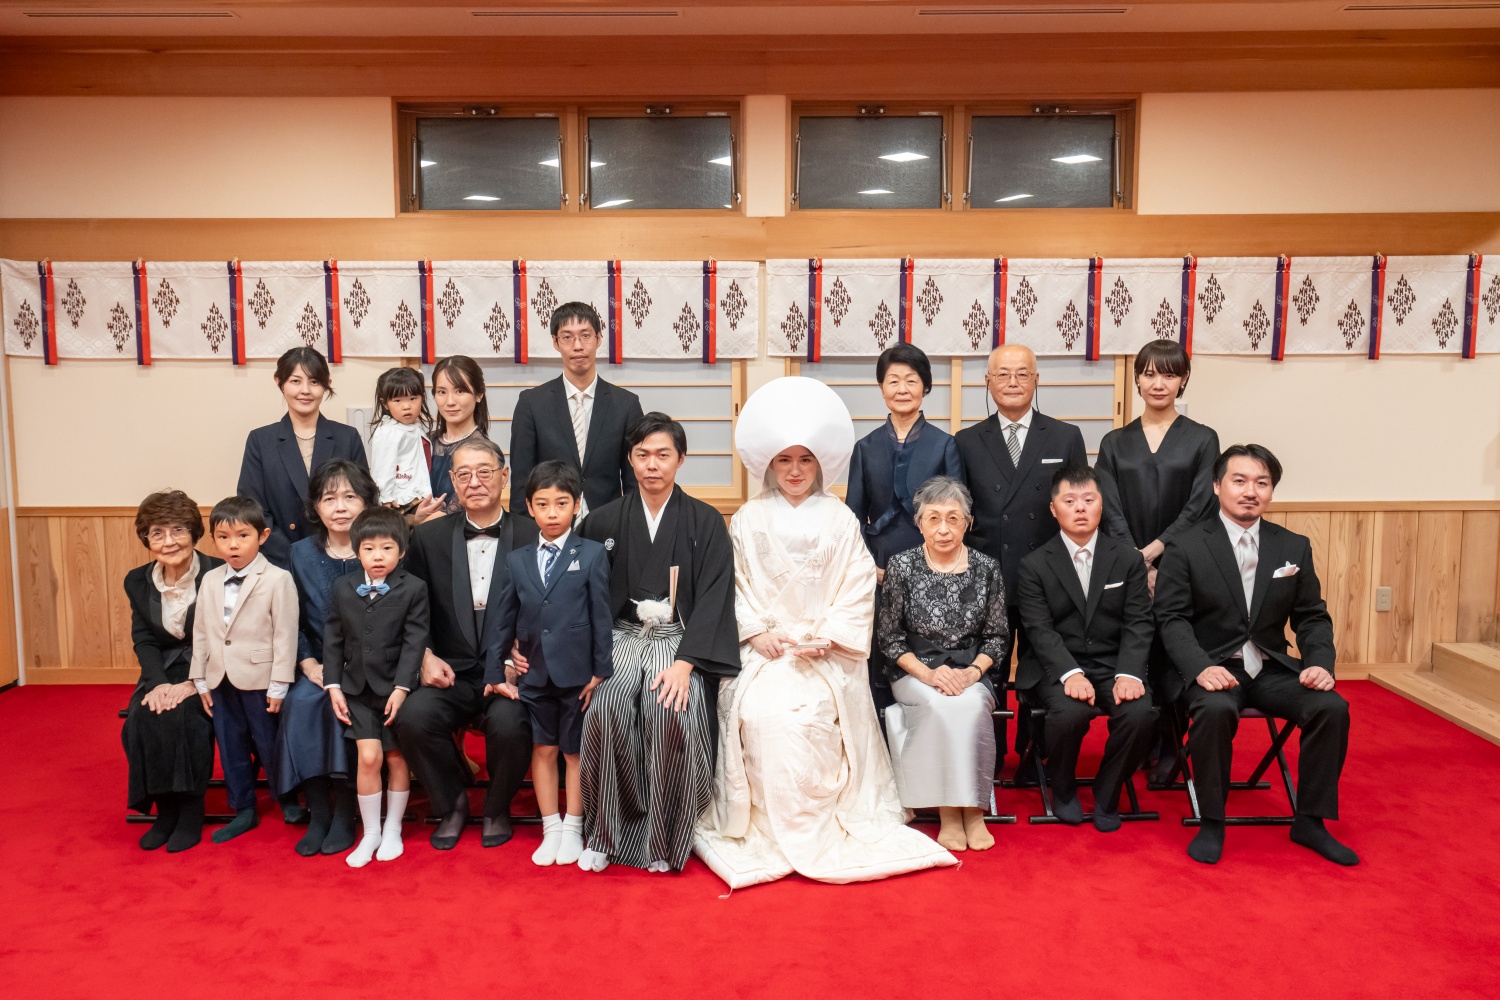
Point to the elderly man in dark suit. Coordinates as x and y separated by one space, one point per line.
577 418
1225 593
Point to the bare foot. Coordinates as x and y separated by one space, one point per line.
951 833
977 834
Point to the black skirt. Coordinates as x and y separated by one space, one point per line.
168 754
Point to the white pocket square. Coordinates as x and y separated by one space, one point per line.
574 566
1112 586
1290 569
1051 461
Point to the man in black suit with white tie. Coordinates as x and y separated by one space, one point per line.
577 418
1009 460
1087 611
1225 593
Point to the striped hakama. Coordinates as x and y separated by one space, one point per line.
647 770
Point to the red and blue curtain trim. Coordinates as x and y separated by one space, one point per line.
1095 299
518 272
815 309
428 345
1189 296
615 327
331 299
710 312
1471 306
1283 303
49 312
1002 268
907 296
1377 295
142 314
236 313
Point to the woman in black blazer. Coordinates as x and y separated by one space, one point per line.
168 738
280 457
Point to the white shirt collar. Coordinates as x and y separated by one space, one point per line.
371 582
653 522
498 518
230 573
1090 546
1025 420
561 541
574 391
1235 531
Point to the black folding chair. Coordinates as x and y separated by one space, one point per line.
1275 753
1031 759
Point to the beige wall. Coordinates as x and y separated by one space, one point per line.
106 433
1403 428
1330 151
196 157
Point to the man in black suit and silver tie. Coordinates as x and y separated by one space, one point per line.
577 418
1225 593
1009 460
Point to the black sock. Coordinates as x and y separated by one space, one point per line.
320 816
166 822
1208 845
340 836
189 829
292 811
1310 832
244 821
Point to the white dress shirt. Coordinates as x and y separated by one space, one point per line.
653 522
1085 569
559 543
1021 432
482 549
1248 562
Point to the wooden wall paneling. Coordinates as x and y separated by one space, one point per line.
87 614
9 666
1435 607
123 552
1394 562
1345 571
1478 576
42 596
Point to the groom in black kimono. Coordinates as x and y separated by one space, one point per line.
648 738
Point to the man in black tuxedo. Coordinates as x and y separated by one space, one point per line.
577 418
1009 460
462 559
1225 592
1087 612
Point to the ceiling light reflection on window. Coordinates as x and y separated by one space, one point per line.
1076 158
614 203
429 163
903 157
722 161
876 191
548 163
481 197
1012 197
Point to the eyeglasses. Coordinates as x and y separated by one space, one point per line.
1021 377
176 533
463 477
581 340
933 519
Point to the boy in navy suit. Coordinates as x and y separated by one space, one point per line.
555 607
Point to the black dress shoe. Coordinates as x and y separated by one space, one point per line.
1069 811
496 831
445 837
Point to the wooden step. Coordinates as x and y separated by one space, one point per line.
1477 715
1473 667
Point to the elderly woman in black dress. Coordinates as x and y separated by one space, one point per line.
943 626
1156 476
168 738
310 744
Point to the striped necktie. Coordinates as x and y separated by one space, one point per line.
549 556
1013 442
580 425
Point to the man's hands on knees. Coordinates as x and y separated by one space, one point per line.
435 671
675 683
1079 688
1316 678
1216 679
1128 689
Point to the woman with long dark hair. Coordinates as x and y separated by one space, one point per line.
462 412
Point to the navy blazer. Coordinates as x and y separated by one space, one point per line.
875 470
563 626
272 472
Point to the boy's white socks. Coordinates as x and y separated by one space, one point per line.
571 846
369 815
390 835
551 840
593 861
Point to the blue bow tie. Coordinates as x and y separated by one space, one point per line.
363 590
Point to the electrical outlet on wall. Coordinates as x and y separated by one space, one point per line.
1382 598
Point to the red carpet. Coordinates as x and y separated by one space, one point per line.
1051 911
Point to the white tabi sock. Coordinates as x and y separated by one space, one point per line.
593 861
369 815
658 866
390 836
551 841
571 847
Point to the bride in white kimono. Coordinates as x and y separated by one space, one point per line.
804 781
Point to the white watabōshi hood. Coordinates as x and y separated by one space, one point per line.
792 411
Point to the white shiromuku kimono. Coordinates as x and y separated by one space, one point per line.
804 781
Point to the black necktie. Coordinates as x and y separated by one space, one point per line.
471 532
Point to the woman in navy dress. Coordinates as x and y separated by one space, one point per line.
890 464
280 457
311 748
